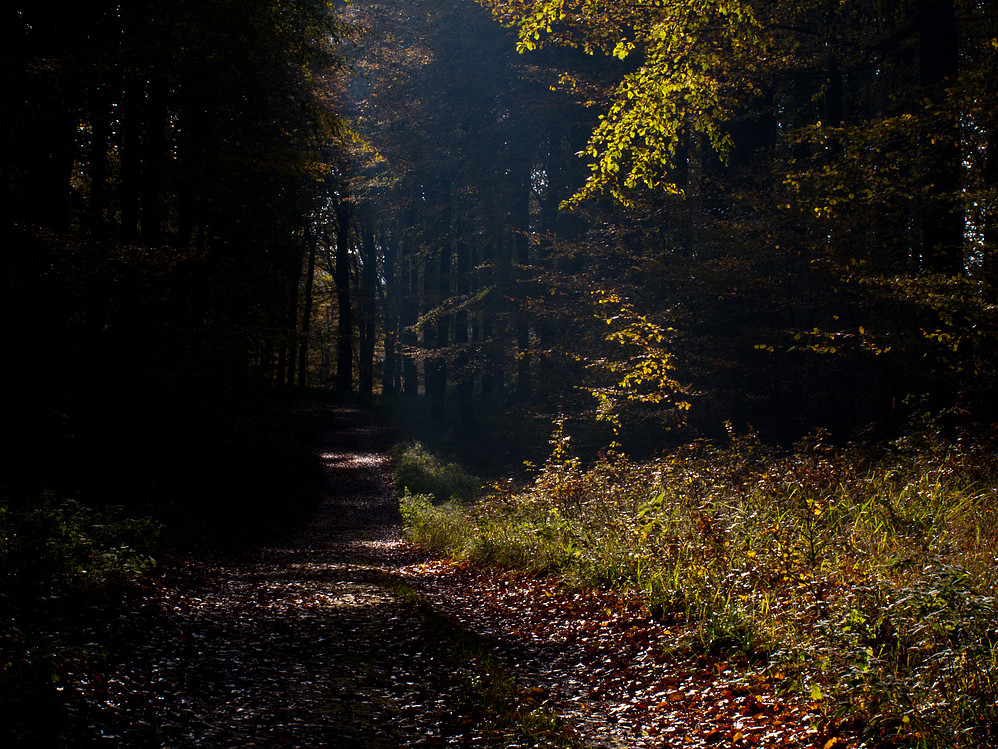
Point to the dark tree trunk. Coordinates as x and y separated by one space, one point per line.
131 160
389 370
438 396
521 243
465 381
155 162
344 333
368 309
410 339
306 317
429 301
101 133
989 263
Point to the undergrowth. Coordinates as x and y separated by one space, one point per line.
868 574
65 571
418 470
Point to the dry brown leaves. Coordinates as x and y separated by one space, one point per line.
622 678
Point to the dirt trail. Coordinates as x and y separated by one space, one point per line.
307 644
302 644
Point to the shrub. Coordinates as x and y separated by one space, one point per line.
419 471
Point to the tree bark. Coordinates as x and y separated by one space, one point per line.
131 160
389 369
155 161
306 317
344 333
465 381
367 311
100 123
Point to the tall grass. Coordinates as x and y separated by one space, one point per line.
870 574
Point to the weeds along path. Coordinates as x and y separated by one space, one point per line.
304 644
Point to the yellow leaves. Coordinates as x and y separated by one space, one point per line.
646 375
621 51
690 71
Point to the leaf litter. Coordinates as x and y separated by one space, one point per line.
309 643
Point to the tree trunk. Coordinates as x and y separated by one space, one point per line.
989 262
101 132
306 317
368 308
131 161
155 162
344 333
429 332
438 397
465 381
521 244
389 370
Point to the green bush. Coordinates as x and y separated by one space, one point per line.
442 528
58 545
419 471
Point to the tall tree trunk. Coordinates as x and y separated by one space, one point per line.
438 397
131 160
368 308
344 333
989 263
100 135
306 317
389 370
429 332
410 338
155 161
521 244
463 375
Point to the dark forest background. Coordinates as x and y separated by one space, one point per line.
205 202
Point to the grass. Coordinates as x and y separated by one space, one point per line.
419 470
869 574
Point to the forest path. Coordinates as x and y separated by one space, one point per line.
320 642
305 643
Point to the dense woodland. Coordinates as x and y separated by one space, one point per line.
650 222
798 199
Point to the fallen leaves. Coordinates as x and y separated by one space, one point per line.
623 678
309 644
